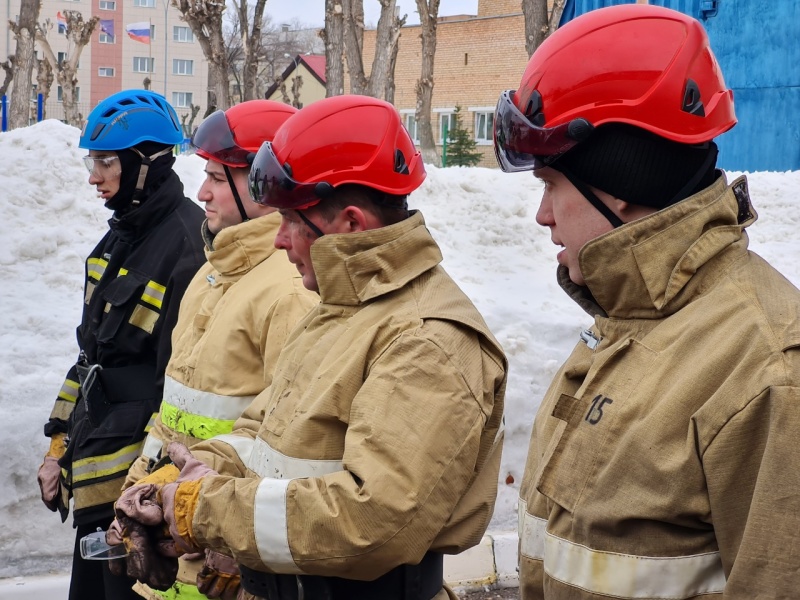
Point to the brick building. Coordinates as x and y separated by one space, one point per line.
477 57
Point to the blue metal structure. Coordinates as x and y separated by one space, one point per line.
757 44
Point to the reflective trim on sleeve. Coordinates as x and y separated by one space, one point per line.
154 293
95 267
144 318
620 575
107 464
268 462
270 527
69 390
200 414
151 422
243 446
152 446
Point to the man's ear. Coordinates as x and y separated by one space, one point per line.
630 212
353 219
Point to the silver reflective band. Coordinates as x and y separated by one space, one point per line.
268 462
202 403
620 575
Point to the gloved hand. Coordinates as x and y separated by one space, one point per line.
219 577
49 475
145 561
179 499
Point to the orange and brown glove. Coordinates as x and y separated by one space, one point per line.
219 577
49 475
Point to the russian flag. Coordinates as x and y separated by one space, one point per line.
139 31
61 23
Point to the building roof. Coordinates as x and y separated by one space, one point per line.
314 63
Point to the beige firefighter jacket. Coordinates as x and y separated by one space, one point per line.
380 437
664 461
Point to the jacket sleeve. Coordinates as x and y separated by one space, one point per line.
412 449
64 405
283 316
753 472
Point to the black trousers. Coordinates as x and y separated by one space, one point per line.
91 579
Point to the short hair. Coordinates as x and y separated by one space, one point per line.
389 208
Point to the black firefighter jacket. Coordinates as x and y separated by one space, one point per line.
135 279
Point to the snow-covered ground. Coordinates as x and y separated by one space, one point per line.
482 218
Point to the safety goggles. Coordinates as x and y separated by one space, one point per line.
99 164
271 183
215 138
520 145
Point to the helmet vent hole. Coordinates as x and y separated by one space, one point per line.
691 99
126 102
400 165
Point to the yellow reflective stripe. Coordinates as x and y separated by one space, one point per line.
122 272
154 293
196 426
181 591
96 267
151 422
96 494
620 575
108 464
69 390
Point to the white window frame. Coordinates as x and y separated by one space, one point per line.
105 71
108 5
487 114
442 114
105 38
149 61
182 66
181 99
182 34
60 94
410 123
144 3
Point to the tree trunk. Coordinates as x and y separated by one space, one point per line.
25 31
8 69
251 46
204 17
44 82
536 23
354 44
333 36
428 16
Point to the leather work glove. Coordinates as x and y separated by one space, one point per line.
219 577
145 560
49 475
179 499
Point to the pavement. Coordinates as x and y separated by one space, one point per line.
486 572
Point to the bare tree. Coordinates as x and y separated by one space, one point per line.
24 29
79 32
44 82
333 37
428 17
385 43
538 24
250 44
8 68
204 17
187 120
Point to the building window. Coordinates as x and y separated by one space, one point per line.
181 99
182 34
446 122
60 94
484 127
410 121
145 3
108 5
144 64
61 57
105 72
182 66
106 39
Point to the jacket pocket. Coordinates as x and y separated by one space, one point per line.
121 297
594 417
126 422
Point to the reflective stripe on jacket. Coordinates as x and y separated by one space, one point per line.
380 437
661 463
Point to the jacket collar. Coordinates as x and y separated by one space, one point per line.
353 268
238 248
137 223
647 268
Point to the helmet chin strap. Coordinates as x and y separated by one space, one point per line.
308 222
146 162
236 197
591 197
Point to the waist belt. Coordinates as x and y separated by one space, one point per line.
406 582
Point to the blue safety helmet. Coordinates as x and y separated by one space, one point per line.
128 118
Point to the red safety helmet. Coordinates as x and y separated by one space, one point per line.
339 140
647 66
234 136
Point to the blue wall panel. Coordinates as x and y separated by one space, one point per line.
757 44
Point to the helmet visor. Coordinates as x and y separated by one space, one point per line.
271 184
522 146
214 139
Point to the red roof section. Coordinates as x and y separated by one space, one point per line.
316 63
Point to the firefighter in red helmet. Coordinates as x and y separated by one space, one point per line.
662 463
377 448
234 317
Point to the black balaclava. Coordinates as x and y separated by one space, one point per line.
131 163
638 167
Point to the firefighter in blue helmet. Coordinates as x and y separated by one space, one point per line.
134 281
